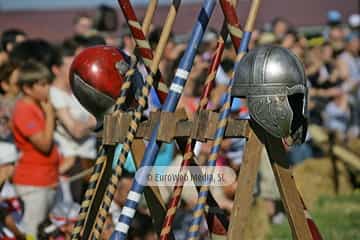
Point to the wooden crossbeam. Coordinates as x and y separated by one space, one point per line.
172 125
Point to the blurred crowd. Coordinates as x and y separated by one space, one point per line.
47 137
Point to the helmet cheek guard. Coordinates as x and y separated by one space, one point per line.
272 113
273 80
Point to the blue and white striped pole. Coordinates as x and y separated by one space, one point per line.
193 232
176 88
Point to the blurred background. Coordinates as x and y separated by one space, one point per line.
54 19
324 35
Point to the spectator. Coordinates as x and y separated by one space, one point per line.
334 18
8 84
208 45
74 124
60 221
105 19
337 114
127 41
9 39
9 154
290 39
10 205
334 32
33 125
341 115
280 26
38 50
82 42
354 22
120 195
349 62
83 24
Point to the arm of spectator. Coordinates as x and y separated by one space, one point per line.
43 140
335 75
219 195
313 65
343 69
6 173
330 92
76 128
11 225
66 164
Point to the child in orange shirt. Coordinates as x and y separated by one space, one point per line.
33 124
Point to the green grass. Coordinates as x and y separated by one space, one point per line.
338 218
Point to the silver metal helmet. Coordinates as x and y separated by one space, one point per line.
273 80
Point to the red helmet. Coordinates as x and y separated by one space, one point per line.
96 76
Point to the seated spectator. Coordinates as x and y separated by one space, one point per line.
340 115
33 126
335 32
349 63
324 79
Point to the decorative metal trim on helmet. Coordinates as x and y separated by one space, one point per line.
96 76
273 80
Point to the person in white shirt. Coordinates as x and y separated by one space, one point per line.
74 126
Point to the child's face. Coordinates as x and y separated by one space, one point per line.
40 90
122 191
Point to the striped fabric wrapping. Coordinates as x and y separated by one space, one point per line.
193 232
143 46
176 88
231 23
142 103
98 167
314 230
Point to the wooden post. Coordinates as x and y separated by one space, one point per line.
285 180
245 185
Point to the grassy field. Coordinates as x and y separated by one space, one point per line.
337 217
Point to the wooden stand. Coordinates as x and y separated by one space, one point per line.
174 126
